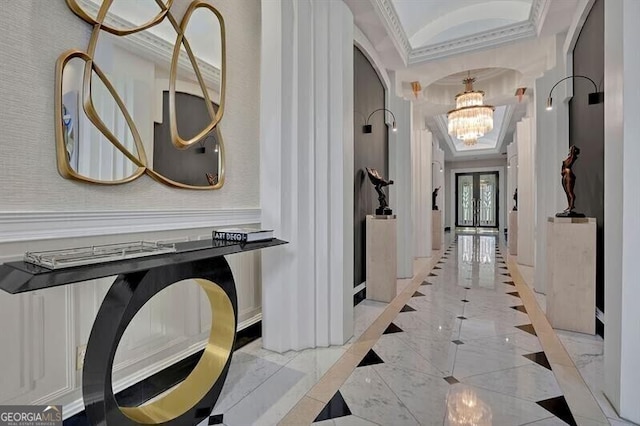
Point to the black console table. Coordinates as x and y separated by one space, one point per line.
138 280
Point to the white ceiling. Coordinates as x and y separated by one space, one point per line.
427 22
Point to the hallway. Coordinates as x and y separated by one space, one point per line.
461 351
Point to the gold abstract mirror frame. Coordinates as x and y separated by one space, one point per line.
64 168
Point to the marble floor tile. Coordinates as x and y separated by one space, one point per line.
476 328
498 408
246 373
273 399
440 353
346 421
551 421
370 398
474 359
394 351
422 394
531 382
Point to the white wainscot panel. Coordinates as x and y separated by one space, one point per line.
36 339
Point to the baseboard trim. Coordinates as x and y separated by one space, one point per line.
32 226
77 406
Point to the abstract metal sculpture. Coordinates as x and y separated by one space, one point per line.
568 183
515 198
379 182
434 195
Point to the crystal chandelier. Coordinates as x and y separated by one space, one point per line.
471 119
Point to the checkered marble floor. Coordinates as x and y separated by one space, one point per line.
462 351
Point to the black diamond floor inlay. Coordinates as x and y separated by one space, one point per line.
451 380
514 293
426 283
371 358
558 407
520 308
507 275
458 342
465 301
335 408
407 308
216 420
392 329
539 358
437 267
509 283
417 294
467 288
528 328
431 274
461 317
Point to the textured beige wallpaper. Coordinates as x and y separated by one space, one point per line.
33 33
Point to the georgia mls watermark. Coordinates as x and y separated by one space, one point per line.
30 415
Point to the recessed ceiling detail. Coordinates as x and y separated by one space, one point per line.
429 22
430 29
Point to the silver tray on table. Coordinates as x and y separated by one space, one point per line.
67 258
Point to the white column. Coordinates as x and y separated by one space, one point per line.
400 193
437 176
306 170
512 174
421 141
552 134
525 192
622 206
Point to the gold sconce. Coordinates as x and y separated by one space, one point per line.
119 134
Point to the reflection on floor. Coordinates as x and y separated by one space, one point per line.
460 352
463 353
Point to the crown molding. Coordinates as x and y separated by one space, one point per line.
387 12
482 40
539 9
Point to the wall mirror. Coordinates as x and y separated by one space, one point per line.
146 96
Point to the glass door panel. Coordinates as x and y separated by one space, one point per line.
477 200
487 200
466 201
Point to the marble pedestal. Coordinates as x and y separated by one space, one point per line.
436 229
571 273
381 263
513 233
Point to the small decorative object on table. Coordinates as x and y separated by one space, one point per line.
242 235
434 195
569 182
379 182
79 256
515 198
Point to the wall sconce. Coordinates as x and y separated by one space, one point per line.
436 161
416 88
202 149
368 128
594 97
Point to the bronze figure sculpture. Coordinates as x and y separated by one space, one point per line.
569 182
379 182
515 198
434 195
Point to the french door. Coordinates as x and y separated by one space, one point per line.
477 199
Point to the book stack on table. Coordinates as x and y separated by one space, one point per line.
242 235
